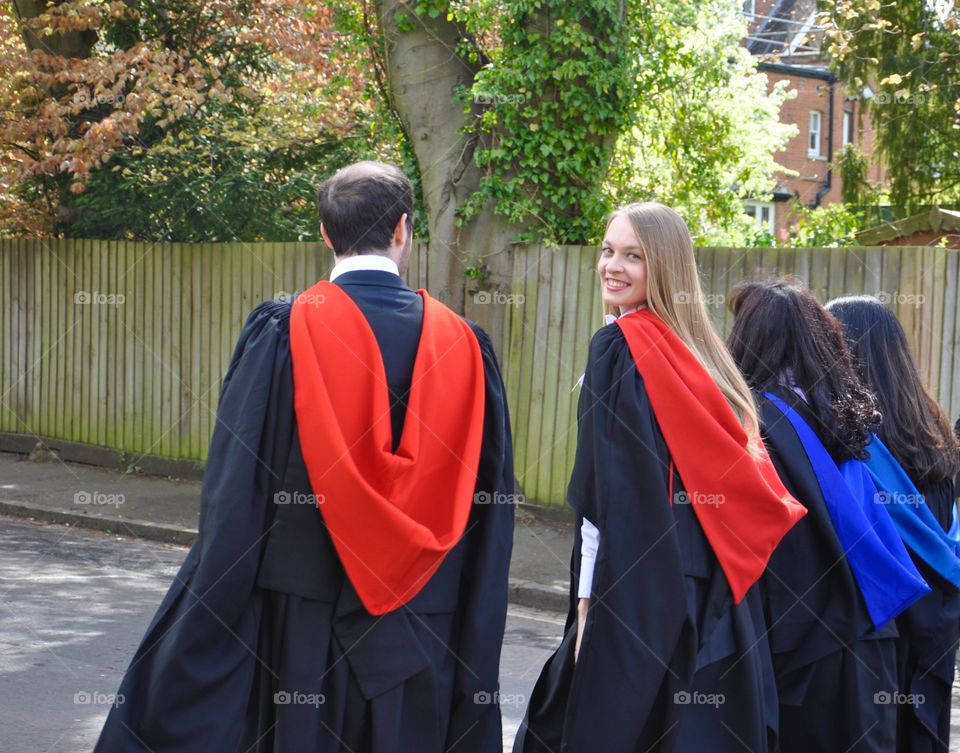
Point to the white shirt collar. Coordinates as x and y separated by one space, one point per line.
358 262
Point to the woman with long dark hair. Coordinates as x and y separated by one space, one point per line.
840 576
679 508
918 435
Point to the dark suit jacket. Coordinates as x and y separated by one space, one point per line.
395 314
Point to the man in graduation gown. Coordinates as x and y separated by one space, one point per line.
348 587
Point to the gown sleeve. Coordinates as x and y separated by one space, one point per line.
191 679
475 725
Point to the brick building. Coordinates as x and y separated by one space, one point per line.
783 35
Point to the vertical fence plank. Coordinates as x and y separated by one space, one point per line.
951 338
75 329
820 272
6 340
904 297
40 365
127 321
529 274
548 455
930 316
11 392
949 393
855 272
141 269
837 280
537 332
160 313
30 333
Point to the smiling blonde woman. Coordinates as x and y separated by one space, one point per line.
678 509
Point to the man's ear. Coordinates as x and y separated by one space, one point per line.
400 231
326 238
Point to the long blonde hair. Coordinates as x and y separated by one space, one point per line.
674 294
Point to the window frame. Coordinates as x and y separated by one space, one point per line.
815 150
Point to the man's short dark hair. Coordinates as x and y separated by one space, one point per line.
361 204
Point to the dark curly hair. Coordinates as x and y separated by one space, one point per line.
780 328
915 428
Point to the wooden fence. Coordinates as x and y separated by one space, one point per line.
124 345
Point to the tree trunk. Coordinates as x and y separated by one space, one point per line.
423 73
75 44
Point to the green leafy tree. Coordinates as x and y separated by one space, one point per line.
175 120
826 226
705 129
907 54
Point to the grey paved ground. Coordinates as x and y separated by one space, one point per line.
74 605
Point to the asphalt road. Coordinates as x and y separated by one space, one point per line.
74 605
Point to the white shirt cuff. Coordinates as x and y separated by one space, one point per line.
588 557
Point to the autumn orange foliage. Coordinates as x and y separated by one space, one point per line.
81 80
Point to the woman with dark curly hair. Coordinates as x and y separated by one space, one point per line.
918 435
840 576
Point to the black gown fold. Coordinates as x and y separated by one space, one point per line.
667 661
833 669
927 647
261 643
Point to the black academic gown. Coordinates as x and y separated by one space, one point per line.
927 647
830 663
262 644
668 662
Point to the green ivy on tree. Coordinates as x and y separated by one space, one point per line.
558 95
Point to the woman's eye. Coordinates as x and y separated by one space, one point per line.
635 257
606 252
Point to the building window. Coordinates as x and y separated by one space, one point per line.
849 126
763 213
750 8
813 139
